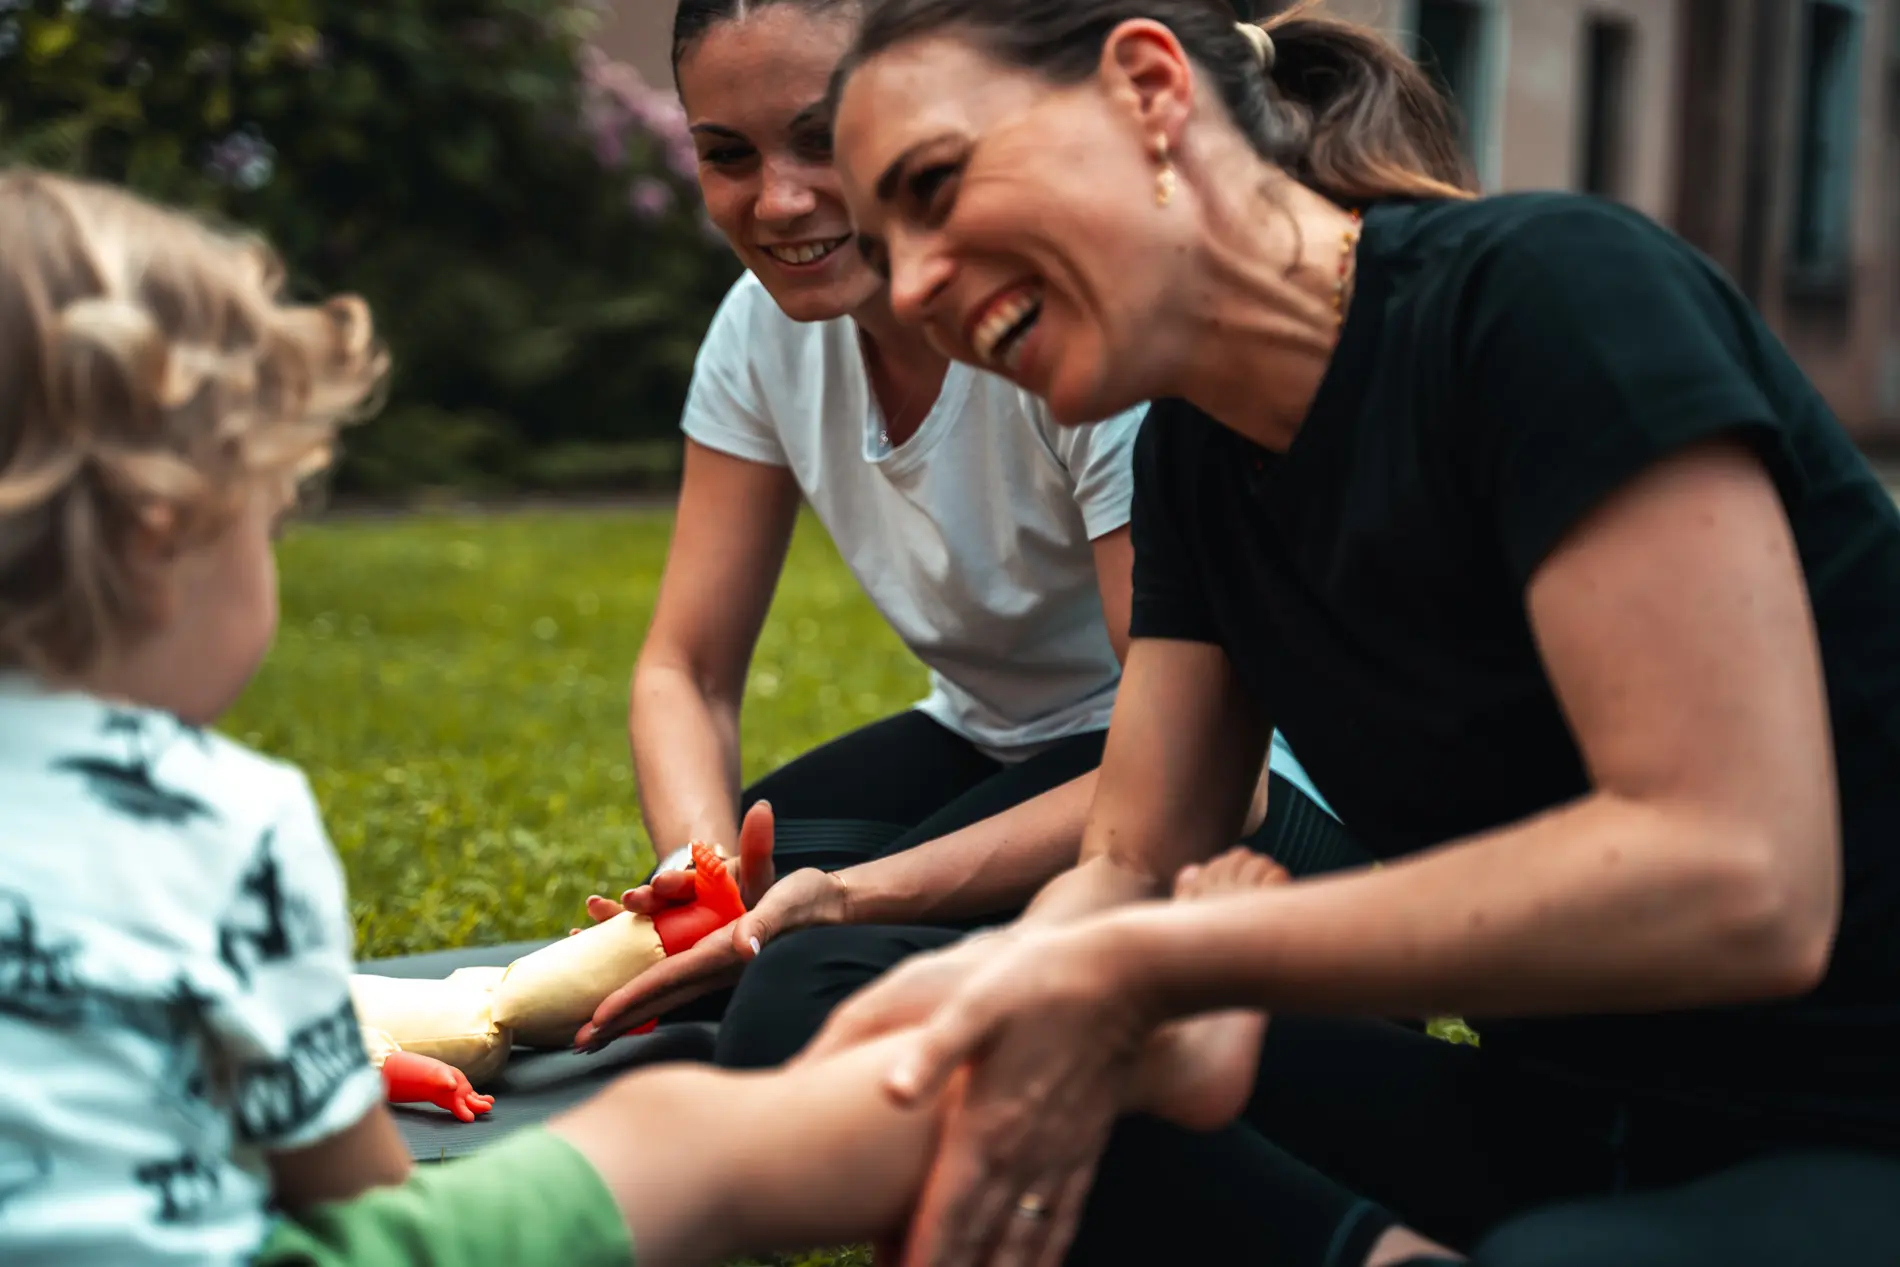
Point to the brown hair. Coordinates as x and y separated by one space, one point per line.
1340 108
692 19
151 379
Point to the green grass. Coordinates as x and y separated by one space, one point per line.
456 689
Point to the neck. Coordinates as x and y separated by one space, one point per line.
1265 311
906 372
901 348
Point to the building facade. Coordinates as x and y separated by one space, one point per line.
1767 132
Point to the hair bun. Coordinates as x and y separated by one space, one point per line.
1261 41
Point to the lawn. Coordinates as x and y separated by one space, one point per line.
457 690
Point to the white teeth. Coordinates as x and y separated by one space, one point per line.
1001 321
804 252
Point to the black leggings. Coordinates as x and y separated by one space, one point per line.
1355 1124
791 988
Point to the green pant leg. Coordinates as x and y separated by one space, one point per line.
529 1199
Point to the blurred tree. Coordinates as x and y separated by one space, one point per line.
521 211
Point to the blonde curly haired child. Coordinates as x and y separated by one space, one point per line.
185 1077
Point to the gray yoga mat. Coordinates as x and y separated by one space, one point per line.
536 1084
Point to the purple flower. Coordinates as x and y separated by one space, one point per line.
650 198
617 105
242 160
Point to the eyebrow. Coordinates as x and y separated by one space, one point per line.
811 114
714 129
887 183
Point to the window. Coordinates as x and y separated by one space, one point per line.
1606 85
1453 46
1824 181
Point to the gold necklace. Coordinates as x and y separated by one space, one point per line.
1348 240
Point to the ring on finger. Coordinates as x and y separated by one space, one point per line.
1031 1206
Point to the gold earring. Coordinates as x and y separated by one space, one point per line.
1164 179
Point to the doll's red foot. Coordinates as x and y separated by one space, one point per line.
716 903
412 1078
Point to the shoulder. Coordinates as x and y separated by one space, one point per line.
1557 246
749 325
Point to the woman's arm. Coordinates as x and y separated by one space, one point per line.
1180 774
731 532
1001 862
1705 867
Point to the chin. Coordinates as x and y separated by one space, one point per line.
1079 400
817 300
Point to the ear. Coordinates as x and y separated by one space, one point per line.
1146 70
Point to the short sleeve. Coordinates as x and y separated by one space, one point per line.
726 409
1595 345
1168 599
299 1068
1100 458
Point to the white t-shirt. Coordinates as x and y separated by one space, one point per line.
972 539
175 950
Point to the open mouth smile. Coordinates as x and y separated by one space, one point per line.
804 254
998 333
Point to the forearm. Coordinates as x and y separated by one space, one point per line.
685 760
989 867
1604 906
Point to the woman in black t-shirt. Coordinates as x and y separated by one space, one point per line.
1563 581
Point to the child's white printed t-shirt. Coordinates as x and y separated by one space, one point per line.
175 951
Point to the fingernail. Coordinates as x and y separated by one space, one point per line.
755 945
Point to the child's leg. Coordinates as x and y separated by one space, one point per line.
707 1164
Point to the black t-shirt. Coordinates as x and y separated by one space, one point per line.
1505 365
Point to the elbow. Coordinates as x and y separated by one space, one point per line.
1783 910
663 671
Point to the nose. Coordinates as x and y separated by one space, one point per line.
785 192
920 273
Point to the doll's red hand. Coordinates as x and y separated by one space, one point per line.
716 903
412 1078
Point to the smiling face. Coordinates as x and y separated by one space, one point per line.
753 89
1017 220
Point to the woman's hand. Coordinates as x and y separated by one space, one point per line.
1053 1039
803 899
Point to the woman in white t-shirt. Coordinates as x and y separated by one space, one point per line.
994 542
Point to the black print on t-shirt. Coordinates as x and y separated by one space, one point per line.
25 1165
185 1186
277 1098
127 786
38 980
269 925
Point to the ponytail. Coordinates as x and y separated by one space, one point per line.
1358 120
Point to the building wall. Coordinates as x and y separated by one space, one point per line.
1847 337
1711 113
